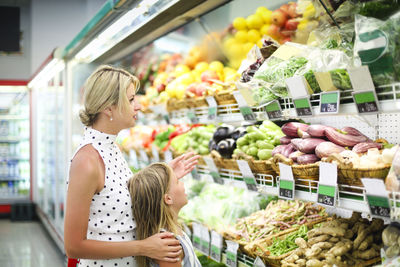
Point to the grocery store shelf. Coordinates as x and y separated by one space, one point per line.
13 199
12 139
13 158
6 178
350 198
13 117
389 101
242 259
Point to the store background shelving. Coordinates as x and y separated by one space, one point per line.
14 145
58 100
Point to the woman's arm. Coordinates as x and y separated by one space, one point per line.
86 179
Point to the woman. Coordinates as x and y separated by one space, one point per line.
99 228
157 197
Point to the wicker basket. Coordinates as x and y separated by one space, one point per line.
348 175
171 104
257 166
200 102
181 104
304 172
201 161
225 98
223 163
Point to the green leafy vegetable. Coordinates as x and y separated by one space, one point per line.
341 79
312 81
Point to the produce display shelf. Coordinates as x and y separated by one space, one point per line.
11 178
13 117
12 139
13 199
13 158
242 259
389 101
351 198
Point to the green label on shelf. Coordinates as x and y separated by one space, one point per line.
286 189
231 259
251 183
366 101
192 116
212 113
326 194
247 113
329 102
216 253
216 177
273 110
205 246
197 242
379 206
303 107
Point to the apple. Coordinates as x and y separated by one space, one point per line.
160 87
273 30
285 8
208 75
292 10
279 17
201 89
192 88
291 24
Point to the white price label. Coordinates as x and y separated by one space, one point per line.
156 156
216 246
210 164
286 182
168 156
144 157
212 108
247 174
133 161
231 253
285 172
197 235
298 86
205 240
258 262
361 79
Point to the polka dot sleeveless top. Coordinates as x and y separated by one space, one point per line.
110 217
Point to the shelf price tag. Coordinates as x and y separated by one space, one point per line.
192 116
366 102
205 240
303 106
213 170
196 235
186 229
246 111
258 262
377 197
286 182
247 174
329 102
168 156
212 108
154 151
144 157
274 110
133 160
327 186
231 253
216 246
195 174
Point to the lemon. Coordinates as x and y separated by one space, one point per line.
267 16
239 23
180 91
254 21
260 43
260 10
241 36
201 66
216 66
235 51
247 47
264 29
253 36
186 78
181 69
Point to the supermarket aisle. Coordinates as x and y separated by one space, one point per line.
27 244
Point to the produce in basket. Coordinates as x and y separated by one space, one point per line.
341 242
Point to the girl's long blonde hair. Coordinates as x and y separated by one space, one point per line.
106 87
147 188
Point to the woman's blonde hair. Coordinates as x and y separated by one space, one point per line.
106 87
147 188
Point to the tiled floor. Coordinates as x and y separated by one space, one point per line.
27 244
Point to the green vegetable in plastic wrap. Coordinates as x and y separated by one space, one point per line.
341 79
312 81
379 9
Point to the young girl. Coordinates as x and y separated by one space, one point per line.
99 228
157 197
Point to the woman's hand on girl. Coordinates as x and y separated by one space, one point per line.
163 247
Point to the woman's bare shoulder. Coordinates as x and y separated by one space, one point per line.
86 161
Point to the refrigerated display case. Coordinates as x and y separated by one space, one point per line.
49 137
15 180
